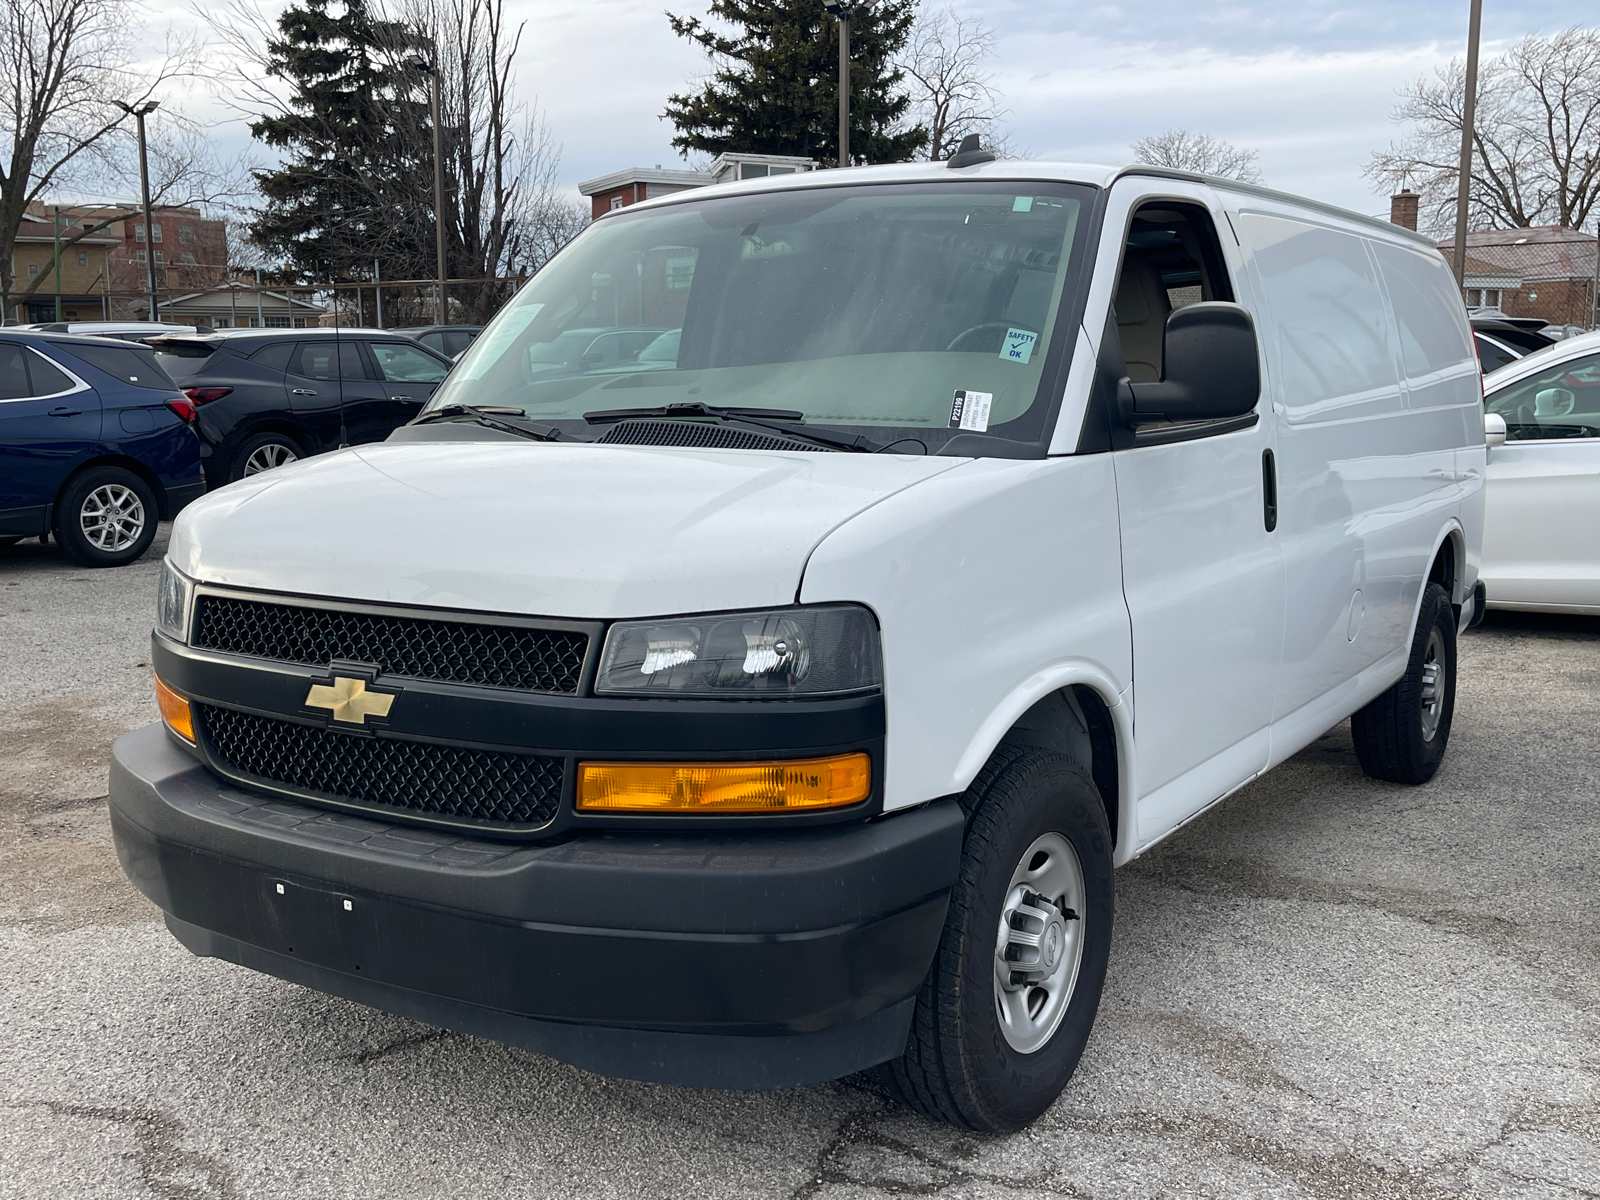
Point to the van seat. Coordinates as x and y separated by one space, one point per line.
1142 309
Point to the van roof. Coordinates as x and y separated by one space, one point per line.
1094 174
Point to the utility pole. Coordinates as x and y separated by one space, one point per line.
843 13
55 226
431 69
139 114
1469 107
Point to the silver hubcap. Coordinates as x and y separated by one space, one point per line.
264 458
1039 946
112 517
1433 685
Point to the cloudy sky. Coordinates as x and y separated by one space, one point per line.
1310 84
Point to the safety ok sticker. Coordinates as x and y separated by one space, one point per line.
1018 346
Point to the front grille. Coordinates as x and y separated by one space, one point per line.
508 656
699 433
413 777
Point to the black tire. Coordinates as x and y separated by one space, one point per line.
959 1065
1401 736
107 517
263 445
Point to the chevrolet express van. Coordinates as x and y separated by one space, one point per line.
778 704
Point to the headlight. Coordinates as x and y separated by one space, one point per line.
823 651
173 594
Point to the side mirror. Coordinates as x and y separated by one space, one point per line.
1212 368
1494 430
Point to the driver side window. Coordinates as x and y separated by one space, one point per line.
1560 402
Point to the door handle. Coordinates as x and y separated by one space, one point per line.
399 397
302 392
64 411
1269 490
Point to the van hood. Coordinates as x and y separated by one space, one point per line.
560 530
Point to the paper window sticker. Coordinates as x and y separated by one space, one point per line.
970 412
1022 204
1018 346
486 351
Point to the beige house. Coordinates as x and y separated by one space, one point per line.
239 305
84 284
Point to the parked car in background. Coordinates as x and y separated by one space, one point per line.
1541 537
1501 340
96 445
127 331
265 397
448 340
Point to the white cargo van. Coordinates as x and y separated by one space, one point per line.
774 700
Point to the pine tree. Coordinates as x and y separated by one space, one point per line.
775 89
346 192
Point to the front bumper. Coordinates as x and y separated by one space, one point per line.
738 959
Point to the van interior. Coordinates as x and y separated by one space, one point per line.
1171 259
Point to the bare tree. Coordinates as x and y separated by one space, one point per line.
1185 151
67 63
1536 137
951 94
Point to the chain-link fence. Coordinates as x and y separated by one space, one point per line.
1548 273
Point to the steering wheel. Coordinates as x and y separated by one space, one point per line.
955 342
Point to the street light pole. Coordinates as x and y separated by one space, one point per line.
438 186
139 114
1468 117
843 13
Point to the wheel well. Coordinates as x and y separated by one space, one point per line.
1076 722
113 460
1443 570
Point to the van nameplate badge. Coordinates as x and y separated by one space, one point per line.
349 701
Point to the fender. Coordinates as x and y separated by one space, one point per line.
1053 677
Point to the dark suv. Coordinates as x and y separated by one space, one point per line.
265 397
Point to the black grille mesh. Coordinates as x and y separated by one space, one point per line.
699 433
417 777
509 656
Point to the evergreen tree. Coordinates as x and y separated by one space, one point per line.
346 192
775 89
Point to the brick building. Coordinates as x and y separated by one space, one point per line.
190 251
633 184
1546 271
85 272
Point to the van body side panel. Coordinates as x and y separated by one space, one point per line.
999 583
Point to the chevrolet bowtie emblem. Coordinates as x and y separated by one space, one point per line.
349 700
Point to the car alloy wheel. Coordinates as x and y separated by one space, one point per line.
1039 947
112 517
268 456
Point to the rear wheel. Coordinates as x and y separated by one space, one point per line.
1007 1006
107 517
1401 736
264 452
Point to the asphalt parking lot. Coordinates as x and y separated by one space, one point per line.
1325 987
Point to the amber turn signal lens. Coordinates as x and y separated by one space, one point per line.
175 712
794 785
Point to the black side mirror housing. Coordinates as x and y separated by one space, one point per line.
1212 368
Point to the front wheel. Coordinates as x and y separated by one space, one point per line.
1401 736
1007 1006
107 517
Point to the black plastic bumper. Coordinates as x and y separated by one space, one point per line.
732 959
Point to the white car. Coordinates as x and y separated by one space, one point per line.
1541 536
782 709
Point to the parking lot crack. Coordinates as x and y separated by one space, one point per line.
362 1057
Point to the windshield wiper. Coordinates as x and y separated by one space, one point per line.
744 416
486 415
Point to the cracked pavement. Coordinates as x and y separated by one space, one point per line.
1324 987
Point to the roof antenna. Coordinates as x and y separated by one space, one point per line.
968 153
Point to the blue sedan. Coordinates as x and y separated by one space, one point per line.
96 445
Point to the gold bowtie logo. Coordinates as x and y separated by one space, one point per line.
349 700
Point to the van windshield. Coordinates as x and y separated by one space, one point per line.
870 309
